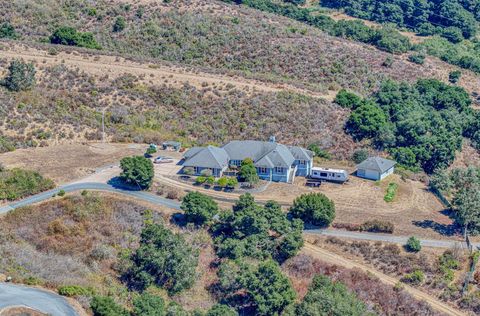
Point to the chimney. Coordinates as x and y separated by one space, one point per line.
272 139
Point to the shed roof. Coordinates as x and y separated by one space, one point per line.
208 157
377 164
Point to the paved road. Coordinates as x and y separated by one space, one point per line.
148 197
43 301
384 237
144 196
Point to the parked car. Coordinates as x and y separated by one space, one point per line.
162 159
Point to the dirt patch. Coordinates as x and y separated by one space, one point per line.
20 311
64 163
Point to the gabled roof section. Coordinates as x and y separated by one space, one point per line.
300 153
208 157
281 156
241 149
192 152
264 162
377 164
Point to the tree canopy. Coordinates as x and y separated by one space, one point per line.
164 259
199 208
257 231
313 208
421 125
248 172
137 171
327 298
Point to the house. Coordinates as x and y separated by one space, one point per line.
375 168
171 145
273 161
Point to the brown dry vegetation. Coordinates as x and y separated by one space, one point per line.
395 261
79 240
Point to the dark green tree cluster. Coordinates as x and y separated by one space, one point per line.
164 259
67 35
8 31
453 19
255 289
137 171
421 125
257 231
325 297
21 76
199 208
314 208
385 38
464 186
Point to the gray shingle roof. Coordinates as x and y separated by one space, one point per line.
207 157
264 154
300 153
192 152
377 164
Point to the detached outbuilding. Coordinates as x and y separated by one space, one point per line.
375 168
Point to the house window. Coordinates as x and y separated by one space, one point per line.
279 170
197 169
262 170
302 162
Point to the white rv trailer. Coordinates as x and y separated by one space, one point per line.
337 175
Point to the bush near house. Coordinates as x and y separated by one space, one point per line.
391 192
106 306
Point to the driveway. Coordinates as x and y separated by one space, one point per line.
40 300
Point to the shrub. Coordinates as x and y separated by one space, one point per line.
248 172
413 244
150 151
313 208
454 76
206 172
377 226
199 208
360 155
137 171
232 182
119 24
417 59
319 152
21 76
415 278
106 306
348 99
200 180
222 182
7 31
75 290
66 35
325 296
221 310
388 62
210 180
61 193
188 171
18 183
148 305
391 192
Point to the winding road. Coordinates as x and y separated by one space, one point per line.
155 199
12 295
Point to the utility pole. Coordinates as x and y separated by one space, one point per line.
103 125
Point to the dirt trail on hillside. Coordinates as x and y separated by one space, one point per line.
333 258
155 74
